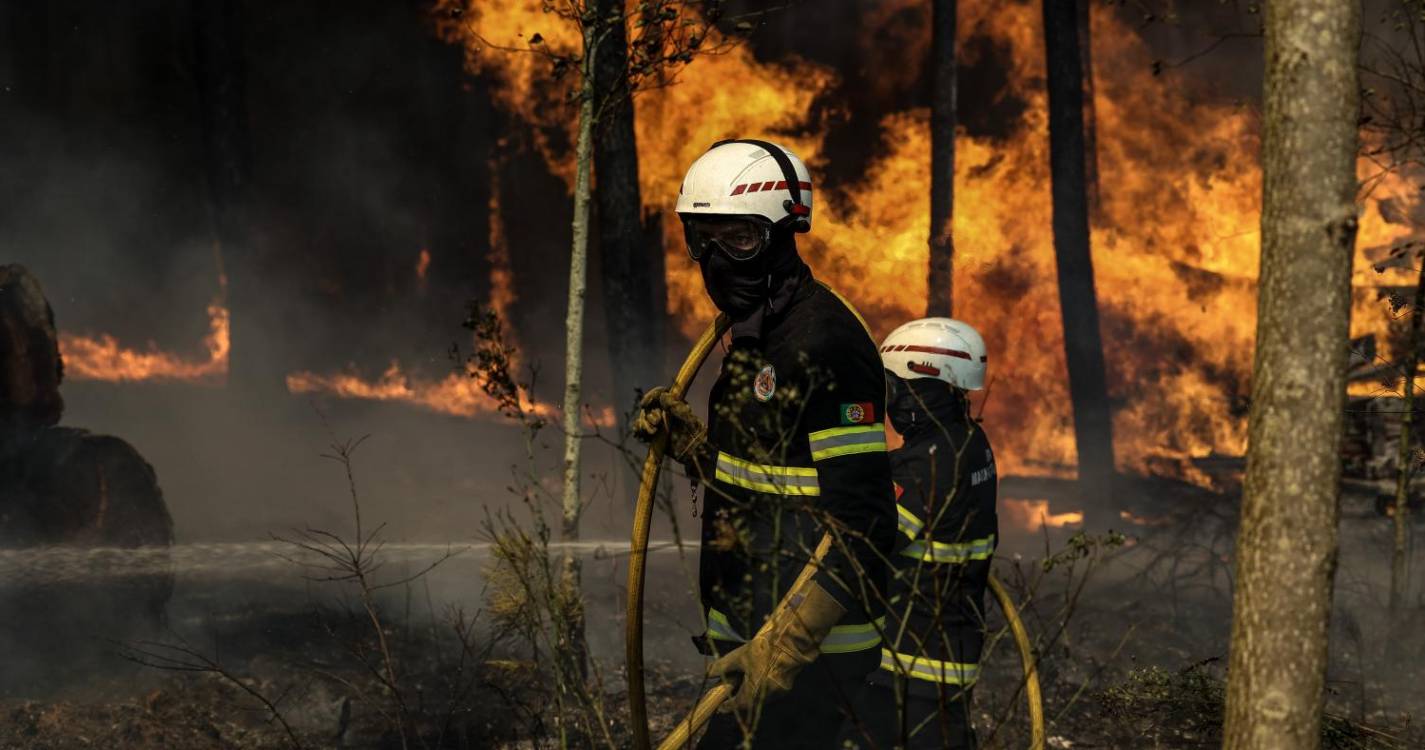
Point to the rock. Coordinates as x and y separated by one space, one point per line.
65 486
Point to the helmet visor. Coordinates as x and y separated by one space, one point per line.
738 237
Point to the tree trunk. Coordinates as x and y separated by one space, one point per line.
1085 28
1286 545
574 349
1405 463
1078 302
227 148
627 283
941 290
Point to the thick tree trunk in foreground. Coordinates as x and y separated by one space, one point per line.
1078 302
940 301
627 283
1286 546
227 148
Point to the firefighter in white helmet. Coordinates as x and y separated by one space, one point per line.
945 488
793 447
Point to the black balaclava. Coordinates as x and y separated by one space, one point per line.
747 290
913 405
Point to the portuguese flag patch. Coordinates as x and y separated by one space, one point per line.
862 413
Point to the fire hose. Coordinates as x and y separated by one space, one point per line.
708 704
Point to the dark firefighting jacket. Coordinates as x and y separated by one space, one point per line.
945 488
801 447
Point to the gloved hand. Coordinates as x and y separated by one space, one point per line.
687 435
767 664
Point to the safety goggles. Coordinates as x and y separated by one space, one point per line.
738 237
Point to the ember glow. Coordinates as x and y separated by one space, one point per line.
1176 240
102 357
1033 515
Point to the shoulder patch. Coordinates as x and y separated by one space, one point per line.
858 413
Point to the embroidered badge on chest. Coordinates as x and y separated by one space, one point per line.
765 384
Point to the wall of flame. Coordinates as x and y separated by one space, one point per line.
1175 242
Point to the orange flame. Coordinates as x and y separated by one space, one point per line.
1033 515
457 394
102 357
1176 241
422 266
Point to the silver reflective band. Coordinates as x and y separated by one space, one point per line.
772 480
933 670
909 524
843 639
720 628
959 552
842 441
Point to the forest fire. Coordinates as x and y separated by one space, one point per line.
102 357
456 394
1175 237
1175 234
1033 515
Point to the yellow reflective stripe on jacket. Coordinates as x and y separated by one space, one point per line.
843 639
842 441
773 480
932 670
909 524
720 628
958 552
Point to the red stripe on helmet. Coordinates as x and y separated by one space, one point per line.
739 189
935 350
754 187
768 184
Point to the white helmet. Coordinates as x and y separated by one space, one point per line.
941 348
749 178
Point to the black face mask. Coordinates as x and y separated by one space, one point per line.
913 404
749 289
737 287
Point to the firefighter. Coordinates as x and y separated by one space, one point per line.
793 447
945 488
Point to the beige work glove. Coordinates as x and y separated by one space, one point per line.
766 665
687 434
